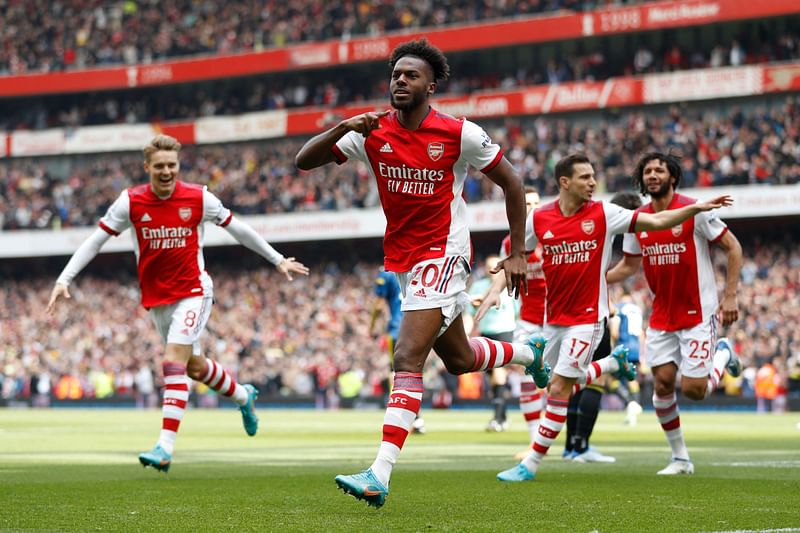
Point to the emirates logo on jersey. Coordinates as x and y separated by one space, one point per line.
435 151
185 213
587 226
677 230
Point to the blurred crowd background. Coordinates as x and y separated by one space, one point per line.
750 143
311 338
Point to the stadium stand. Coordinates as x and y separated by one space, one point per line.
609 82
752 45
757 142
45 36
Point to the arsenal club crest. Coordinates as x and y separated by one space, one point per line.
677 230
185 213
587 226
435 151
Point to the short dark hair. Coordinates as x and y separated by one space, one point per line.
565 166
529 189
426 52
672 161
627 199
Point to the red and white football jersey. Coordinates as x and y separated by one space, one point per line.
167 238
576 252
532 304
420 176
677 265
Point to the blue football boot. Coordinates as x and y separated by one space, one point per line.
249 418
627 370
538 368
364 486
516 474
158 458
734 365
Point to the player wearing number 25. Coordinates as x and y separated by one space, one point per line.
683 323
167 218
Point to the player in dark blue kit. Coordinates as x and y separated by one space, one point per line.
387 288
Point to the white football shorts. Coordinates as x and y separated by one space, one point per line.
184 321
436 283
569 349
525 330
692 350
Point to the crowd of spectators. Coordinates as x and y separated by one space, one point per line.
298 339
759 144
280 335
47 35
333 87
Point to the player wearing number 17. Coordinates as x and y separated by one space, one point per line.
167 217
419 158
576 235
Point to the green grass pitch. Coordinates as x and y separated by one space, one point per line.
77 470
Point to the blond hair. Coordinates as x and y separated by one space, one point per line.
161 142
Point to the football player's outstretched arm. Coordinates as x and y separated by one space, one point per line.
673 217
82 256
249 238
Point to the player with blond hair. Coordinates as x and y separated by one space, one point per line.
167 218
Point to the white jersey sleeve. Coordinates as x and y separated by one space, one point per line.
630 244
618 219
530 236
214 211
250 238
477 147
83 255
709 225
351 146
118 217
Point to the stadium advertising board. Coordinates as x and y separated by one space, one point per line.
775 200
263 125
782 78
646 17
95 139
24 143
663 15
703 84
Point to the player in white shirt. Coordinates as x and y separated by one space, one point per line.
683 323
